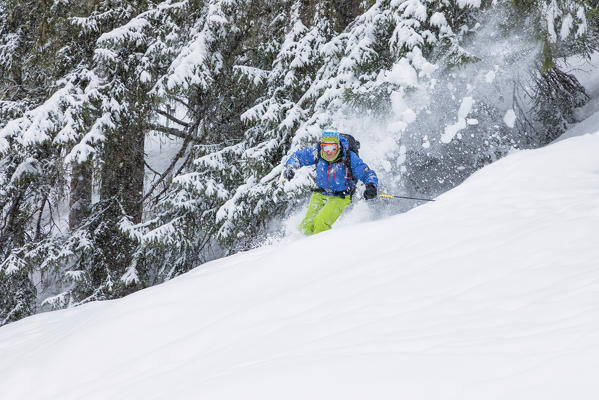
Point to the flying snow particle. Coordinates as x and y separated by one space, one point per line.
402 74
510 118
425 142
452 130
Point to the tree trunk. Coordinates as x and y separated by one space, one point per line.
342 11
347 11
123 171
81 194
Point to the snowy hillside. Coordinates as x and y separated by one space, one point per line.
489 293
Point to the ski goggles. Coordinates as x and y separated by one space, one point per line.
329 148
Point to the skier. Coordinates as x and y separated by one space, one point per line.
337 170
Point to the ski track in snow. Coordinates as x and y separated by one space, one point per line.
488 293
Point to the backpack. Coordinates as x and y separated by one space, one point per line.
354 144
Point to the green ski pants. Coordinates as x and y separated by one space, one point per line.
322 212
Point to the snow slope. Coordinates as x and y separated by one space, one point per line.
492 292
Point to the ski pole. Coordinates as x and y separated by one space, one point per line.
404 197
282 177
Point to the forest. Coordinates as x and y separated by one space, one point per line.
434 90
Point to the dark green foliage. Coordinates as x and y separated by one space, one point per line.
557 96
18 299
106 257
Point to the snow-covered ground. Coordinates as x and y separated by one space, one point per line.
492 292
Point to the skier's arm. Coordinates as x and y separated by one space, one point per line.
302 158
361 171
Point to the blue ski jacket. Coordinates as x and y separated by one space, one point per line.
333 178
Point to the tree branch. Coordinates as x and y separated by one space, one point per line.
174 119
188 138
175 174
150 168
181 101
174 132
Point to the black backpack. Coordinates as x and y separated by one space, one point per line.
354 144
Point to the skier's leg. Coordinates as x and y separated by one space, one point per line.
330 212
317 201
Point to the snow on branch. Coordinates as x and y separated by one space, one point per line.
256 75
190 66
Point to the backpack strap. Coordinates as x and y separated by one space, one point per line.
350 175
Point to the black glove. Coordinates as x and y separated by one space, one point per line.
370 192
289 173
